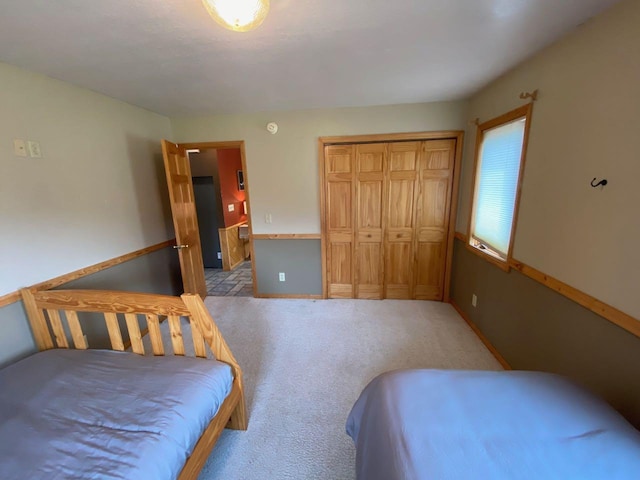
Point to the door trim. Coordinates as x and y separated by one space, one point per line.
458 135
235 144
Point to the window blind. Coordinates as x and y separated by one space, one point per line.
497 184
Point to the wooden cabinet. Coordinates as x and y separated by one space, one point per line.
233 246
387 212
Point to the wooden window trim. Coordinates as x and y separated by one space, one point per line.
523 111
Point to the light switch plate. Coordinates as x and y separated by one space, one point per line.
231 207
19 148
34 149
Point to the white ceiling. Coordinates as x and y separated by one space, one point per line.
170 57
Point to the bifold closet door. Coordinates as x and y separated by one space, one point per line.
400 212
339 215
433 204
386 218
370 186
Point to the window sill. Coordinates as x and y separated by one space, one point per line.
501 264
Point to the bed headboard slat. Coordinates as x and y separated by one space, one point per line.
153 325
76 330
113 327
135 337
198 343
58 329
177 342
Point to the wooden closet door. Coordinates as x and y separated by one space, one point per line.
339 215
432 217
370 192
399 237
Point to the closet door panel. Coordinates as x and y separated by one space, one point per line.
432 216
339 214
370 274
434 201
401 202
339 205
429 271
370 205
399 238
397 272
370 193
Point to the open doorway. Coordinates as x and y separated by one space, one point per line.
218 172
223 221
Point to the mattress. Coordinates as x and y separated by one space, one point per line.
436 424
89 414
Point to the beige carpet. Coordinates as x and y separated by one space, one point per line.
306 361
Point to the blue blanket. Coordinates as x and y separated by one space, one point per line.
96 414
441 425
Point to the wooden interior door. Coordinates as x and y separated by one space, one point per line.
370 168
399 238
340 212
185 221
432 217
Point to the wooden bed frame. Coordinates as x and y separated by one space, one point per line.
44 311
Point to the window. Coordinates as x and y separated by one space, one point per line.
500 154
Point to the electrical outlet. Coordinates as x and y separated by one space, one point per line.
267 218
474 300
281 276
231 207
219 255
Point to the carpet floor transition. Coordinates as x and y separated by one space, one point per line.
305 363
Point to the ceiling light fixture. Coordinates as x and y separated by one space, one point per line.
238 15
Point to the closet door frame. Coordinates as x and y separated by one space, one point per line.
457 135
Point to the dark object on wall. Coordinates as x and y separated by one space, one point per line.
601 182
240 180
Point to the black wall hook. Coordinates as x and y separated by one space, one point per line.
602 182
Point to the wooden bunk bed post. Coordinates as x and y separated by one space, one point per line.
201 317
37 321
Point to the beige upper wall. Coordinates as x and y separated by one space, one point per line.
283 168
96 193
584 125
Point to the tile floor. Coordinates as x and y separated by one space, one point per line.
236 283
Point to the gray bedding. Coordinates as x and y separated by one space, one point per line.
72 414
457 425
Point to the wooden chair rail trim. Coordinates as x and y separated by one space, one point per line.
606 311
13 297
287 236
481 336
110 301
